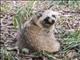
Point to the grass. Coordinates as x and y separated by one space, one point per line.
6 55
72 40
23 13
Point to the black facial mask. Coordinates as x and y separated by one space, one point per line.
46 20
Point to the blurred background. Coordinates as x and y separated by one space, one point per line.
14 13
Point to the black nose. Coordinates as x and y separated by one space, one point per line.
48 21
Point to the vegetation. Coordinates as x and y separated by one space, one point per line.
23 13
72 40
6 55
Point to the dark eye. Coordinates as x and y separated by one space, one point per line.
54 16
39 15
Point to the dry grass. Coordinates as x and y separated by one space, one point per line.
68 28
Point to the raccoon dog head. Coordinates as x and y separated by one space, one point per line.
46 18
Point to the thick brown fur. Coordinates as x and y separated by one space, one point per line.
38 36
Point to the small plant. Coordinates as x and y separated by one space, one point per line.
50 56
23 13
5 7
72 40
6 55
